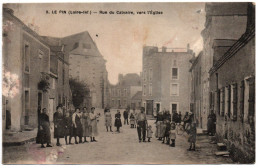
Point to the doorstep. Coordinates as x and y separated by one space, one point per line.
19 138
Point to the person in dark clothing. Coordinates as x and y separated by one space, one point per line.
141 125
45 133
167 132
186 119
211 123
175 117
118 122
77 125
68 128
126 117
58 125
179 117
167 115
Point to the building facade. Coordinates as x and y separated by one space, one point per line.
87 65
121 93
26 62
196 89
223 21
232 90
165 79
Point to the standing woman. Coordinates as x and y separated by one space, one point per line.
94 130
58 125
77 125
108 120
118 122
85 124
45 133
159 126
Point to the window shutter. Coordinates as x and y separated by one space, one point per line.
251 100
242 95
223 102
218 102
234 117
228 100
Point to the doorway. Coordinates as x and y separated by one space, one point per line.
39 105
149 107
174 107
158 108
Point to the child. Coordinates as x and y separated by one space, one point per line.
192 136
149 133
172 135
132 120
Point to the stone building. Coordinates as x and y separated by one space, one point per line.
165 79
136 100
87 65
196 89
121 93
26 63
223 21
232 90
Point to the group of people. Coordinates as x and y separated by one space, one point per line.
166 127
76 124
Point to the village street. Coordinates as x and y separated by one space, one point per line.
116 148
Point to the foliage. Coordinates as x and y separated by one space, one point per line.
80 91
44 84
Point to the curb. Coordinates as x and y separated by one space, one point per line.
6 144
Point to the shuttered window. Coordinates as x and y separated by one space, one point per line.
222 107
234 102
242 95
251 100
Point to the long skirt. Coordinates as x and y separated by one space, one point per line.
132 121
44 135
93 129
108 122
159 129
118 123
86 131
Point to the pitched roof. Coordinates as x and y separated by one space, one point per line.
80 44
137 96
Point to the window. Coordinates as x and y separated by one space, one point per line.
144 75
150 74
26 58
144 90
40 53
26 107
233 108
150 89
113 102
174 89
125 92
174 73
76 45
125 102
119 92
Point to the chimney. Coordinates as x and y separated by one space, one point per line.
188 46
164 49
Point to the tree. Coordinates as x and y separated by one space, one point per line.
80 91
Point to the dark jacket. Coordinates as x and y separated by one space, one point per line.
44 133
118 122
58 125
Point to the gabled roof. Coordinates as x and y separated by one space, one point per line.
137 96
80 44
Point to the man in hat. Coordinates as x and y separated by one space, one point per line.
141 125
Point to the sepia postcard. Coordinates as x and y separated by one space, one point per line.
128 83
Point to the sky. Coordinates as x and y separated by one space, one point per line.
121 37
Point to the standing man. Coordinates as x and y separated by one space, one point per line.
126 117
141 125
58 125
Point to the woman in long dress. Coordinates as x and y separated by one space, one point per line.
118 122
58 125
108 119
45 133
94 130
86 124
